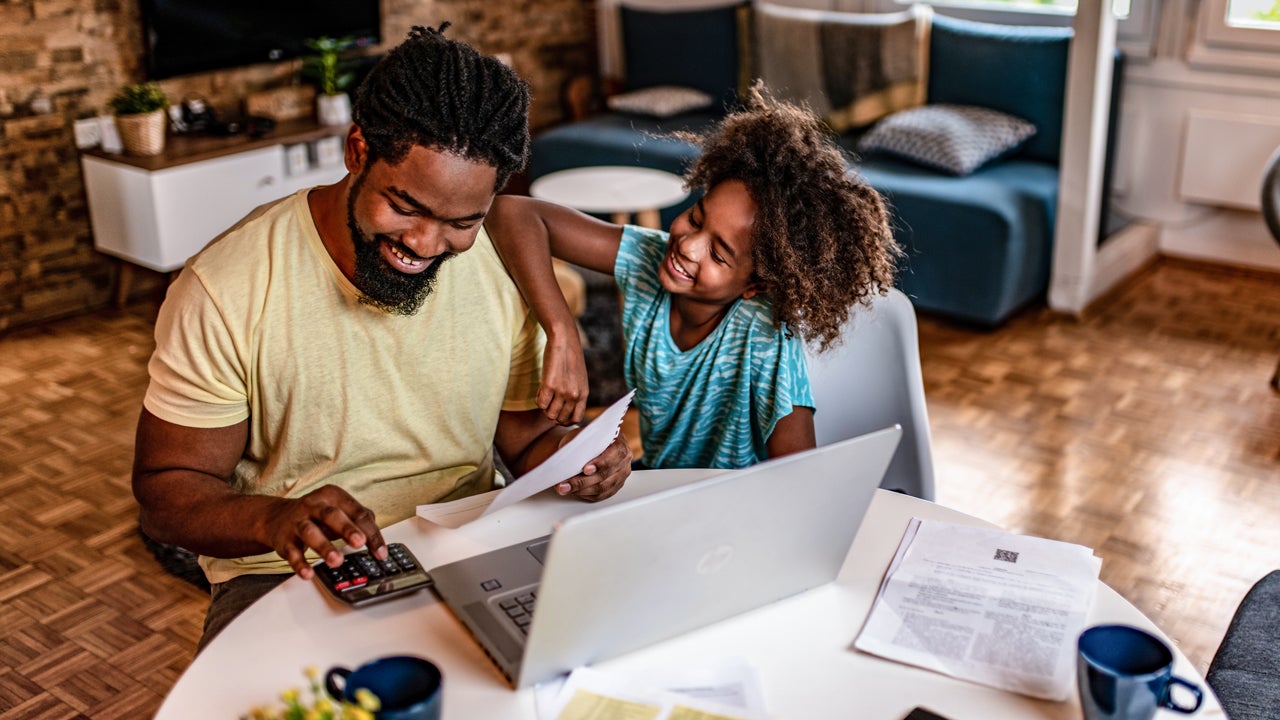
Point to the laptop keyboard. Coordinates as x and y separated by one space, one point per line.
518 608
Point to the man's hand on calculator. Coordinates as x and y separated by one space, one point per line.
292 526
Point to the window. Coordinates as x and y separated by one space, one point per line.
1261 14
1237 34
1063 7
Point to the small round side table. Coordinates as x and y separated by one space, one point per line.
616 190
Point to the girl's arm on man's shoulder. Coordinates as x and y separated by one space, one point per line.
516 222
525 233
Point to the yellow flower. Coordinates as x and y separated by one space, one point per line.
367 700
290 696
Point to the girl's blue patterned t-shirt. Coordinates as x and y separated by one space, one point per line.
715 404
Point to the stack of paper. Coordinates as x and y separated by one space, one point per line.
984 605
727 689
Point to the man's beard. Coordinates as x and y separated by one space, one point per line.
381 285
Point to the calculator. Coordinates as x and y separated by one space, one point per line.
363 579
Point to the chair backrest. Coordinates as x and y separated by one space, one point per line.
1271 195
872 380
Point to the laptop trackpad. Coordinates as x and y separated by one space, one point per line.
539 551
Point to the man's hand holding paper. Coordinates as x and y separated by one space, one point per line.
570 465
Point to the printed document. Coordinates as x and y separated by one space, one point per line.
728 690
564 464
984 605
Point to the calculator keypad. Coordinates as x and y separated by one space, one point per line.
362 578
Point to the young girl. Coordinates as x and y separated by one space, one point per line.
781 245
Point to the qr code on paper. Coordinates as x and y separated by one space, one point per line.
1006 555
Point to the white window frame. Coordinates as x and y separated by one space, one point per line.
1135 34
1220 46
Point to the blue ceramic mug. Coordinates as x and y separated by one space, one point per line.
407 687
1126 674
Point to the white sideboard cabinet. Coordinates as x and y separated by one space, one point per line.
158 211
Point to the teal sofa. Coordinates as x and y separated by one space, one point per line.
979 247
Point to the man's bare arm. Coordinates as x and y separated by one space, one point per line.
180 479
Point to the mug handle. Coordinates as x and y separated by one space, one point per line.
1193 688
336 692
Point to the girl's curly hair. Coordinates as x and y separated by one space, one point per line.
821 241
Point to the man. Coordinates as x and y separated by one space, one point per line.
348 353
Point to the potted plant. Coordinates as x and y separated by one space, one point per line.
332 78
140 118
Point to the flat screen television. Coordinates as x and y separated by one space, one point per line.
189 36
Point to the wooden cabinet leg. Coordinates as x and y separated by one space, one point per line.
621 218
124 278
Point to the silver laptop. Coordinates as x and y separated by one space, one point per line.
625 576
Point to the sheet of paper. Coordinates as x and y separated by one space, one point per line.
564 464
568 460
729 691
984 605
456 513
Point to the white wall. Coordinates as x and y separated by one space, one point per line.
1192 145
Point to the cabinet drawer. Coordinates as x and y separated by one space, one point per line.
195 203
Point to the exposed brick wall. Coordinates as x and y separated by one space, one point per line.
77 53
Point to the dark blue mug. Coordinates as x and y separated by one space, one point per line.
1126 674
407 687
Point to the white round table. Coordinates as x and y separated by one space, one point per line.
616 190
800 646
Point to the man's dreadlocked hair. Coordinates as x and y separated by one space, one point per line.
440 93
821 239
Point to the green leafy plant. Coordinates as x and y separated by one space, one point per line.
327 68
138 99
319 706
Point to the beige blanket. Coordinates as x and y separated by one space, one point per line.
852 69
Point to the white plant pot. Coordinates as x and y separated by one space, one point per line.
334 109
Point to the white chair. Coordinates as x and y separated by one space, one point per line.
872 380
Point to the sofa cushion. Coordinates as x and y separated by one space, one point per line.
661 101
978 246
955 139
701 49
1020 70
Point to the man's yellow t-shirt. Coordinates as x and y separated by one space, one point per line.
399 411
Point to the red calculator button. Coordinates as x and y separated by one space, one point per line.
343 585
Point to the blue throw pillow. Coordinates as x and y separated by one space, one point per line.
697 49
1020 70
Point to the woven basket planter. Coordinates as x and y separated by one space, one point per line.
142 134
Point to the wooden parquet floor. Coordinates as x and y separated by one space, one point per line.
1145 430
